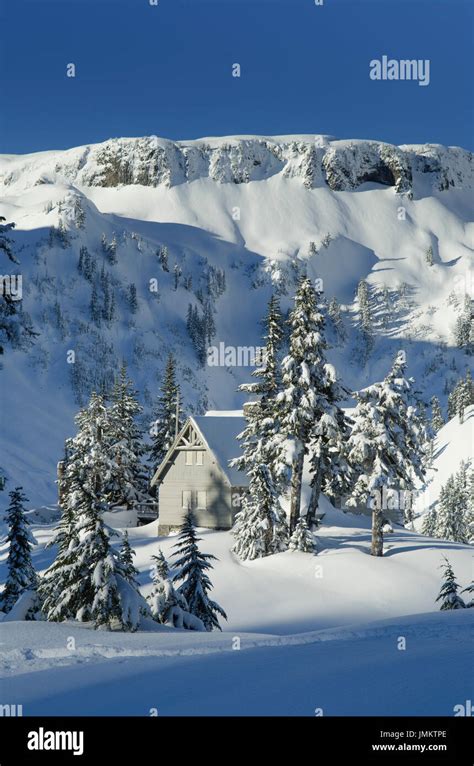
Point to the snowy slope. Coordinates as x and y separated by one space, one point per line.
251 206
454 444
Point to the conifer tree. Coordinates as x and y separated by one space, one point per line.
429 523
429 256
192 568
260 438
20 572
448 595
260 527
385 448
437 420
126 554
167 605
450 516
128 483
165 425
470 590
87 580
302 538
296 403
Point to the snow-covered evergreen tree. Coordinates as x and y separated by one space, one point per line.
470 590
365 316
128 483
437 420
167 605
429 523
385 448
192 568
299 404
260 527
261 438
302 538
450 522
132 298
429 256
126 554
20 572
334 311
165 426
87 580
448 595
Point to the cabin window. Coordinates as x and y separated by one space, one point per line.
202 500
186 499
199 458
189 457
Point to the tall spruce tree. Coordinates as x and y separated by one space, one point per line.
20 572
261 436
385 448
437 420
450 515
260 528
128 484
166 423
448 595
306 406
192 568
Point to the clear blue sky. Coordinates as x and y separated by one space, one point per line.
166 70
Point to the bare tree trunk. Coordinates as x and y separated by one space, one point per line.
377 533
314 498
296 482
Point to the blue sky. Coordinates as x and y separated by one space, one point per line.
166 70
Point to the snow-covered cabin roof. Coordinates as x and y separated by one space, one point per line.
219 431
220 434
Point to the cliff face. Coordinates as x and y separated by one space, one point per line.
317 161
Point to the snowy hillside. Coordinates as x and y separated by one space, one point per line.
454 444
220 224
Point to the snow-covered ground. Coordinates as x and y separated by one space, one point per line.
304 632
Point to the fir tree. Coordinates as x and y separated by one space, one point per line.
302 538
448 595
20 572
429 523
261 527
365 316
126 555
470 590
334 311
429 256
437 420
166 425
88 580
128 482
94 307
296 403
193 567
450 517
6 243
132 298
162 254
167 605
260 438
385 448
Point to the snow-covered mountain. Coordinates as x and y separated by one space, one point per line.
220 224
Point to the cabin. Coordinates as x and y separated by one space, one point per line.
195 473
